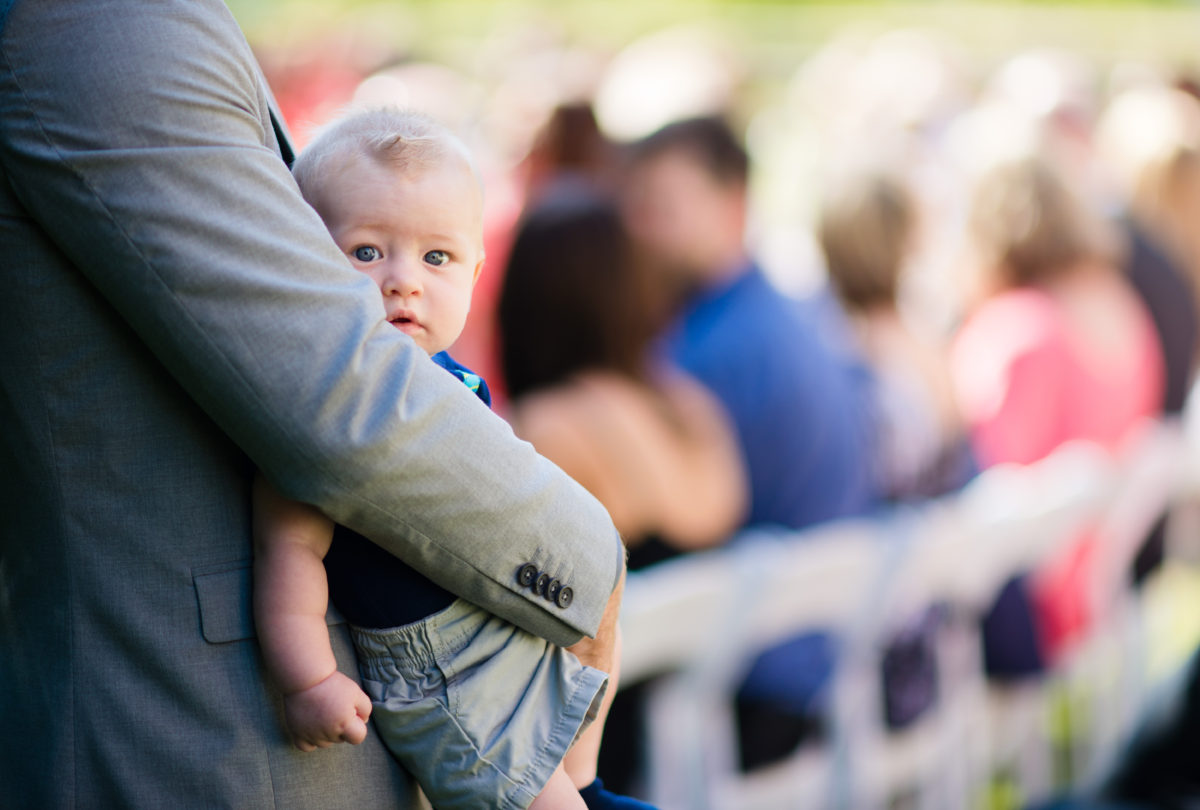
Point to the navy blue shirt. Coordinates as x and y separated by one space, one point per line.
799 402
372 587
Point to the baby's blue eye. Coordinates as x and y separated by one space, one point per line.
367 253
437 257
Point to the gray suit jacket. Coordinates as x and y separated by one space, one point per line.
173 315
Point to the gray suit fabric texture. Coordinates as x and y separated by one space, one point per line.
174 316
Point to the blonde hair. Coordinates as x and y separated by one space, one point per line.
1150 136
1028 225
864 228
404 140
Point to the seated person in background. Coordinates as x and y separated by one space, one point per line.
801 412
799 403
1158 180
479 711
577 316
866 227
1149 136
1056 346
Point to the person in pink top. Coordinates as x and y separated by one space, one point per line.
1056 347
1038 367
1059 346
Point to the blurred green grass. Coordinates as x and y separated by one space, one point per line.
772 36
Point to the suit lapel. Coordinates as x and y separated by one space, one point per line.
286 150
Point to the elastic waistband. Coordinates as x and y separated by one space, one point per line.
421 643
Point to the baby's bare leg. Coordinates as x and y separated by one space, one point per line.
599 652
580 762
604 653
559 794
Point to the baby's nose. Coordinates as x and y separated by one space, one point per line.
402 278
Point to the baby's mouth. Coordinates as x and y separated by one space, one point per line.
405 323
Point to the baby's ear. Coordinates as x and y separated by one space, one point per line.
478 268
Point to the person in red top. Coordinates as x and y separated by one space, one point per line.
1057 347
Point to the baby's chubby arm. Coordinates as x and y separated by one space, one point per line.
321 705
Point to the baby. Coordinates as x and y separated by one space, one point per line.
482 713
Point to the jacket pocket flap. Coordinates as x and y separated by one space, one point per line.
223 592
226 611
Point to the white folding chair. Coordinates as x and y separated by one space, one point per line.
957 552
1014 518
670 611
931 760
786 584
1107 666
704 618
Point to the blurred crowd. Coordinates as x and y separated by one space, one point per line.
892 275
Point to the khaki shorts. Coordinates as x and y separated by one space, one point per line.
480 712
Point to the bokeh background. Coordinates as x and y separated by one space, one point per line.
809 84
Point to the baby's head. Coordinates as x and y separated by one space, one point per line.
400 197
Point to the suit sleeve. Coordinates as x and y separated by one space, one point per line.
137 135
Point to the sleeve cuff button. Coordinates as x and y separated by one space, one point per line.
526 575
564 597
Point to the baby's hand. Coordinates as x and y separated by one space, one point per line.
332 711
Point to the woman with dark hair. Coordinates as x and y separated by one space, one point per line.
577 316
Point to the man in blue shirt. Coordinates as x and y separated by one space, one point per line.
799 403
798 407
